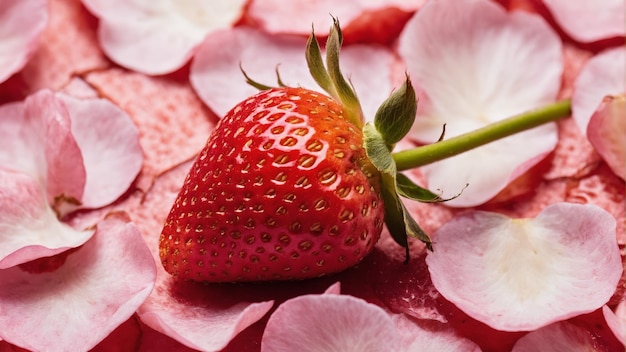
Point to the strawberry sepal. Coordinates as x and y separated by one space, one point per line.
396 115
329 76
397 218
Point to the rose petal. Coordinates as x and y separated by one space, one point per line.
39 132
296 17
480 174
68 48
206 324
109 144
522 274
606 131
589 21
21 25
472 75
334 289
98 287
616 321
217 78
18 138
29 229
602 75
79 88
557 337
432 338
158 37
329 322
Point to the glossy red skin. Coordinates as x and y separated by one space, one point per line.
282 190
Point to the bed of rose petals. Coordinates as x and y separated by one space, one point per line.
105 103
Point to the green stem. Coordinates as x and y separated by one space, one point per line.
420 156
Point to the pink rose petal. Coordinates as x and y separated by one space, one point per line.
616 321
217 78
334 289
557 337
297 16
85 152
21 25
199 317
472 75
607 130
67 48
96 289
159 36
109 144
602 75
433 337
329 322
39 131
522 274
589 21
29 229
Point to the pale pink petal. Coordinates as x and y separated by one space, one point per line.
217 78
79 88
334 289
68 48
476 64
602 75
431 338
65 170
39 131
522 274
297 16
109 143
200 317
158 37
21 25
29 229
557 337
329 323
616 321
18 136
97 288
607 132
589 21
487 170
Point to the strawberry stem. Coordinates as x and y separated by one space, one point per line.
427 154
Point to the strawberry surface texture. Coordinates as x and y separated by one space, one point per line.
282 190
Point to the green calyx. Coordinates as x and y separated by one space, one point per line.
329 76
392 122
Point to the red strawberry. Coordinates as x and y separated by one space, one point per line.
291 185
283 189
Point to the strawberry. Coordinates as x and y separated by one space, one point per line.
291 184
283 189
